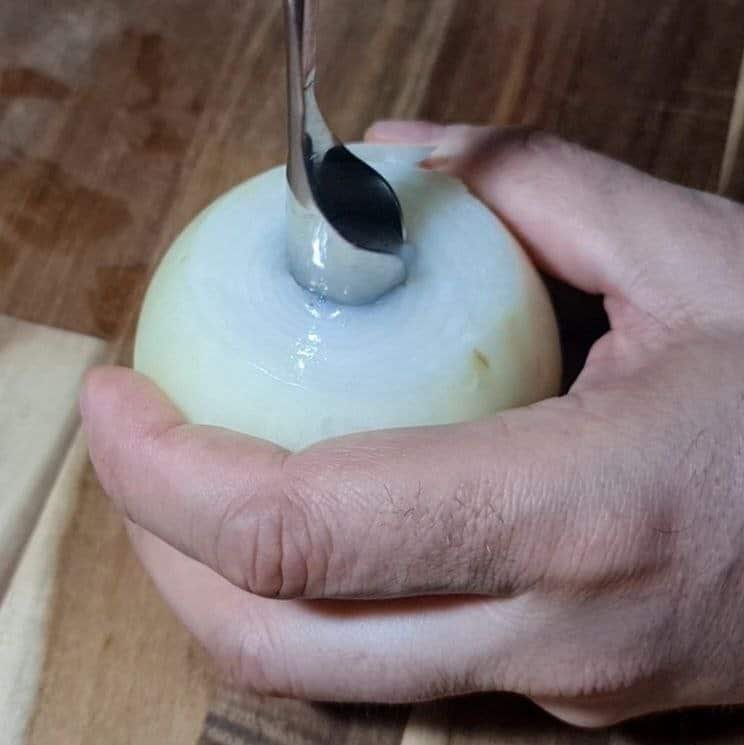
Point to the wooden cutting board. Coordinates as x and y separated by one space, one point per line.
75 665
120 119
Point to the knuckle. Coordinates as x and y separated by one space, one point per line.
267 545
306 542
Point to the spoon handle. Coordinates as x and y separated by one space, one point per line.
309 135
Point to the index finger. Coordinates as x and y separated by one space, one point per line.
459 509
591 221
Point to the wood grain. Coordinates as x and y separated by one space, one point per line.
649 83
118 667
119 119
241 718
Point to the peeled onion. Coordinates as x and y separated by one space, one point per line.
232 338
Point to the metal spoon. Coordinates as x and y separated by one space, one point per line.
345 227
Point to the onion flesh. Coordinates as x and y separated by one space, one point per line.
236 342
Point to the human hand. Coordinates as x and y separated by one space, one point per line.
587 551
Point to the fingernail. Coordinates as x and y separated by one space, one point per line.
443 155
451 147
457 142
406 132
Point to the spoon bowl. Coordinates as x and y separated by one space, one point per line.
345 232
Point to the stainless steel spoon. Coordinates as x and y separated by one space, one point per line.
345 230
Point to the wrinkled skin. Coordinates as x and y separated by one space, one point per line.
587 551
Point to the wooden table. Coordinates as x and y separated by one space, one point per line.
119 119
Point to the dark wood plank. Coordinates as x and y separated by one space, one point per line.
502 719
252 719
649 83
99 106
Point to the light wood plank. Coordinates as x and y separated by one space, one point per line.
428 724
26 610
734 138
40 372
